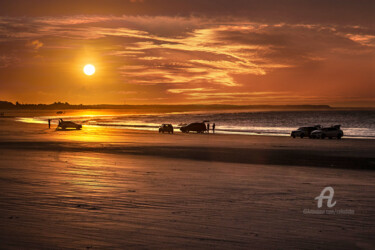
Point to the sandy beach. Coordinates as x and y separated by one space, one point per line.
104 188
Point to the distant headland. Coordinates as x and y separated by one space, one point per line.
179 107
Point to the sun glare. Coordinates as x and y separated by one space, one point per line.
89 69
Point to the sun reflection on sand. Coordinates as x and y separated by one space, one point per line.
85 172
98 176
31 120
88 134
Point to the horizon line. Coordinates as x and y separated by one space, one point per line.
102 105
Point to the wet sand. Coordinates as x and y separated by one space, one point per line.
107 188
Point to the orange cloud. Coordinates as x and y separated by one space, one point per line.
35 44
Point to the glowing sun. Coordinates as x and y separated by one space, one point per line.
89 69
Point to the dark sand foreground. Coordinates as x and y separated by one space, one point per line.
105 188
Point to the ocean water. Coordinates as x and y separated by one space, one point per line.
355 124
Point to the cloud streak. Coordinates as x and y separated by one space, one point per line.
193 58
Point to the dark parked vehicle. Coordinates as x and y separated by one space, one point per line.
166 128
198 127
304 131
68 124
331 132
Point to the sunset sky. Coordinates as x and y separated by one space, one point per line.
188 52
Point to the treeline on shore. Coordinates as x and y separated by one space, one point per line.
65 105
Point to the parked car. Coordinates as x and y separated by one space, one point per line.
166 128
198 127
331 132
304 131
68 124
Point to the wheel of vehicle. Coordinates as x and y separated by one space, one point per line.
339 136
293 135
302 135
322 136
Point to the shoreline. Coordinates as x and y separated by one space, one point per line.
251 149
155 127
153 130
149 120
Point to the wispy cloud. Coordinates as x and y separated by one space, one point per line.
35 44
199 58
366 40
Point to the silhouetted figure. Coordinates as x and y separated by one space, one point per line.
208 128
213 128
49 123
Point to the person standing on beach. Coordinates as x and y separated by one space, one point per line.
208 128
213 128
49 123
